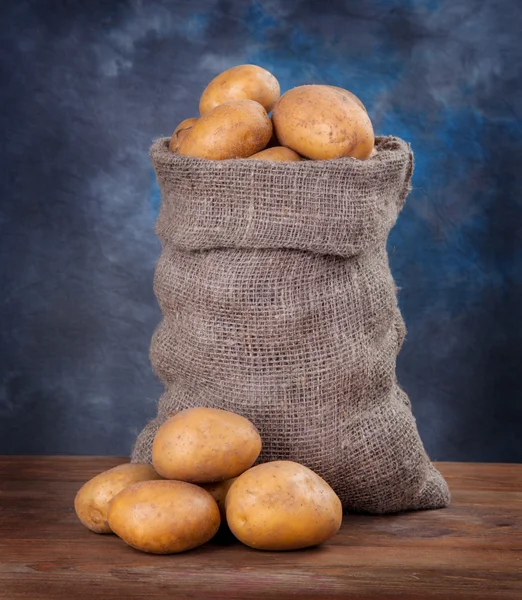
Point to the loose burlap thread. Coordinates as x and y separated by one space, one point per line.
278 304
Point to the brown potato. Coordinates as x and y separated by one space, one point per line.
232 130
219 492
164 517
180 132
282 505
321 123
244 82
186 124
350 95
93 499
204 445
277 153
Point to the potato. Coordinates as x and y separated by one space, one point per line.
205 445
186 124
164 517
350 95
232 130
93 499
277 153
180 132
219 492
282 505
320 122
245 82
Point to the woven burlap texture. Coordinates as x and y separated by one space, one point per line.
278 304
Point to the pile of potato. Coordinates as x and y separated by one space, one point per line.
318 122
203 477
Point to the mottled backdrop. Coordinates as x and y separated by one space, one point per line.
85 88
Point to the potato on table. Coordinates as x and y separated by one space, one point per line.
282 505
93 499
204 445
164 517
219 492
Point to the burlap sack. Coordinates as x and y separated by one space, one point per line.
279 305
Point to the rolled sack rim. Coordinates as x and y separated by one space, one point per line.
386 146
339 207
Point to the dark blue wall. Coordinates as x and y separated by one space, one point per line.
86 87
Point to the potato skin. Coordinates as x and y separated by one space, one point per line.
244 82
180 132
282 505
235 129
186 124
92 500
205 445
219 492
277 153
164 517
350 95
320 122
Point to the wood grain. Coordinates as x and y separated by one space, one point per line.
471 550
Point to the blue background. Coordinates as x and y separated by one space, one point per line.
86 87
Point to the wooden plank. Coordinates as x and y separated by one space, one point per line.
473 549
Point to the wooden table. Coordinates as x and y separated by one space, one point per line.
472 550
